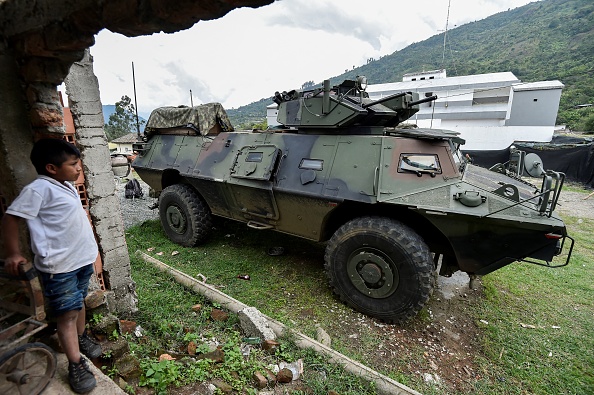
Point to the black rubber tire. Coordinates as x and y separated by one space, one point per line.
34 363
184 215
381 268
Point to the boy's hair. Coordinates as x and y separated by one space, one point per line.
51 151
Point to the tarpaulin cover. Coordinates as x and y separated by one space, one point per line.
576 160
203 118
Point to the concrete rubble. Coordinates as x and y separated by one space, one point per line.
254 324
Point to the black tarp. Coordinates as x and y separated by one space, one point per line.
572 156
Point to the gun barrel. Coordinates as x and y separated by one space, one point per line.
383 99
425 100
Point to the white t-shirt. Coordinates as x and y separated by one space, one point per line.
62 238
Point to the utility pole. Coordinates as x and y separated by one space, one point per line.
445 34
135 102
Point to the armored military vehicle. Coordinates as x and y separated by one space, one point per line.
395 206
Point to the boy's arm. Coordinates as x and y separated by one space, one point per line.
10 236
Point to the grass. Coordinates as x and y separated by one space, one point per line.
538 339
165 313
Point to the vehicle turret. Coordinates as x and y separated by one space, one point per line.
345 109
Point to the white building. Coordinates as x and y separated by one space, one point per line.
490 111
123 145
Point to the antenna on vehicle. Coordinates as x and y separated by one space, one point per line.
135 103
191 99
445 35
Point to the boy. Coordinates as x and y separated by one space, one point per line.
64 246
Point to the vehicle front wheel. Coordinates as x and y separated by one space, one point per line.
184 215
381 268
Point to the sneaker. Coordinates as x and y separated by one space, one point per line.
80 377
88 346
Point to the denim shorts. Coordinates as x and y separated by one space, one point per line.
65 292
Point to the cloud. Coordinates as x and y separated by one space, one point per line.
183 82
329 17
250 53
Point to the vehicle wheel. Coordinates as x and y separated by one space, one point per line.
185 217
27 369
381 268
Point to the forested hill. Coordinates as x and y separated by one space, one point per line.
544 40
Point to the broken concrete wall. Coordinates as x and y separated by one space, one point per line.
82 88
16 137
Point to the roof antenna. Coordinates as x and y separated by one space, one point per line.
135 103
445 35
191 99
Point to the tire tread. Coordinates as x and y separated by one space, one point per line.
199 217
406 237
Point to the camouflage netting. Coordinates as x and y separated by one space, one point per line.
202 118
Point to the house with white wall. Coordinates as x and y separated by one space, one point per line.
123 145
490 111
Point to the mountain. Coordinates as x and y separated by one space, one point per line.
544 40
108 109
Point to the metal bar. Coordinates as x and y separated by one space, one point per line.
135 102
7 316
548 264
29 321
16 307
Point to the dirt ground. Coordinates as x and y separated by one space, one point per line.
438 348
576 204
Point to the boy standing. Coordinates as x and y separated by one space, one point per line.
64 246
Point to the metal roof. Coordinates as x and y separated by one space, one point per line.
128 138
489 80
540 85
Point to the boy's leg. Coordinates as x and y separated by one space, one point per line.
68 334
66 301
71 326
81 321
86 345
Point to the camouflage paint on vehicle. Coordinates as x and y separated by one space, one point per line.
337 169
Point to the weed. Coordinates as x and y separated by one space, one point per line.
198 371
159 375
202 348
111 372
115 335
191 337
97 318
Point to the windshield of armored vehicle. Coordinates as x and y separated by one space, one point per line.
419 163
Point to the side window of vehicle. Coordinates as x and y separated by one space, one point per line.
311 164
419 163
254 157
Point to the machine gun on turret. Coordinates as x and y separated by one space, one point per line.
346 108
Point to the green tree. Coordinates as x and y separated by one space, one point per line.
123 120
589 124
307 84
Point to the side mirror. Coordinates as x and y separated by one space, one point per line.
533 165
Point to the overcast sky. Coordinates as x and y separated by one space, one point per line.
249 53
